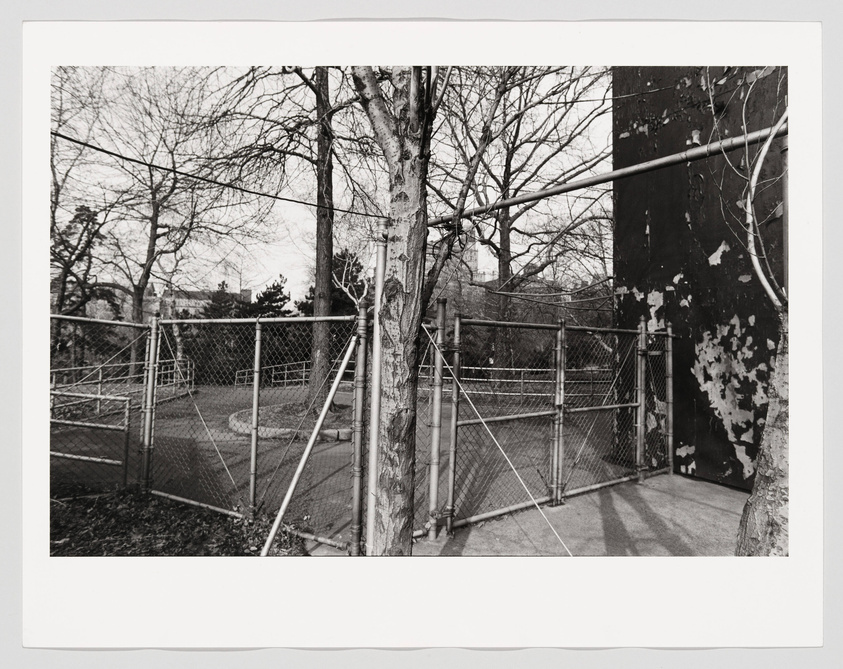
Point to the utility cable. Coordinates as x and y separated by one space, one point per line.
208 180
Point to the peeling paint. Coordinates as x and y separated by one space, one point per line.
623 135
685 451
745 278
735 392
770 345
751 320
678 277
655 300
685 301
714 258
638 294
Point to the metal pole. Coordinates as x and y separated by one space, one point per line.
455 413
375 405
256 400
697 153
149 399
668 379
99 390
357 438
436 421
641 399
127 417
559 418
313 437
785 206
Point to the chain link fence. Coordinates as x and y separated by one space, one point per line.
219 413
96 394
547 411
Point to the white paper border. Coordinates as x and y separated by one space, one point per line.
484 602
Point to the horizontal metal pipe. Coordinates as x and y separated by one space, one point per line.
313 537
63 393
697 153
602 407
500 512
598 486
79 319
251 321
504 419
606 484
202 505
583 328
470 391
78 423
533 326
86 458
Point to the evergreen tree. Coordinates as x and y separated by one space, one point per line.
273 300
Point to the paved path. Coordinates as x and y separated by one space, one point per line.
666 515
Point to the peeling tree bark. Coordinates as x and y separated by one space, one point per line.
764 525
403 135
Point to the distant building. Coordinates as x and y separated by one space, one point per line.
175 302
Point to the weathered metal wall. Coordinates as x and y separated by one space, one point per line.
680 253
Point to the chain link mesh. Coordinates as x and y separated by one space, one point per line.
204 393
291 397
600 371
96 388
507 373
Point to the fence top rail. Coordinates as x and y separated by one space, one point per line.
585 328
102 321
55 370
278 319
508 324
90 396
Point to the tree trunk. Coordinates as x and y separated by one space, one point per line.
503 336
404 138
320 354
135 351
764 524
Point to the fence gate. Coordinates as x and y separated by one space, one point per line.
96 388
533 413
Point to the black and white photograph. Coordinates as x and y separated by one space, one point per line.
479 314
523 285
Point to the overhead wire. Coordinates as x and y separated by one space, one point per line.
208 180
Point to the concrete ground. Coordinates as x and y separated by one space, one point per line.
666 515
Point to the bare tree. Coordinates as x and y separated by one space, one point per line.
535 132
763 528
400 108
148 138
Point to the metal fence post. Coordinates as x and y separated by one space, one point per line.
99 391
357 434
256 398
149 401
127 418
455 412
436 421
668 395
558 454
641 398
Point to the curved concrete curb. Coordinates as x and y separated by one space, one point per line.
243 427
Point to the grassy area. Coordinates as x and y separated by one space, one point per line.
128 523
